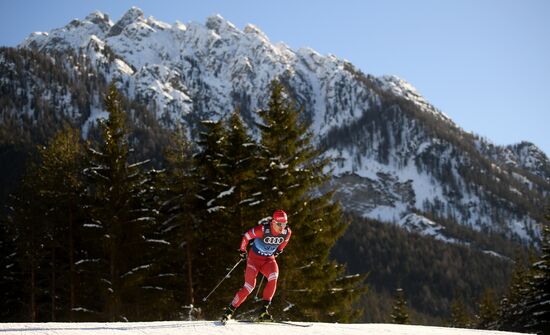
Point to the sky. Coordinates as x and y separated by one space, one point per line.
484 63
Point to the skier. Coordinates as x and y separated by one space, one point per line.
270 238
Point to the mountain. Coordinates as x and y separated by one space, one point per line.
395 157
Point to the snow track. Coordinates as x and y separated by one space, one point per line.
232 328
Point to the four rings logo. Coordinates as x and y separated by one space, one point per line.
274 240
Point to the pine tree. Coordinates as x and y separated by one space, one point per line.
488 311
242 199
400 314
30 238
525 307
215 240
122 247
508 308
537 304
291 176
510 313
10 285
243 202
460 317
59 188
226 168
180 224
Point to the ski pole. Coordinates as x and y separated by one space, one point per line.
258 291
224 278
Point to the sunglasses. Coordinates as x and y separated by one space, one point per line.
280 224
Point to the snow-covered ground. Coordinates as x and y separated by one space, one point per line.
232 328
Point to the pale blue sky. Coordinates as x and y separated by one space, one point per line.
485 63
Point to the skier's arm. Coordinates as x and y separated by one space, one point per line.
256 232
283 245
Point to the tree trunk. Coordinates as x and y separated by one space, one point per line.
33 296
52 290
113 301
190 274
72 269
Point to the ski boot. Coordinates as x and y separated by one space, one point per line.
264 313
227 314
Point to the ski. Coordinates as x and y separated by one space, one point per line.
288 323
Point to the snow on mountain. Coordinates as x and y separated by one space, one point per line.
215 60
400 87
232 328
76 33
419 224
523 155
392 151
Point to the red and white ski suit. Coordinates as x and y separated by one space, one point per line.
261 259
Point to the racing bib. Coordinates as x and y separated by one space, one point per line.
268 244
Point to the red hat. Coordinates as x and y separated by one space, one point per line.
280 216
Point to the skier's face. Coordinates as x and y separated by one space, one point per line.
277 226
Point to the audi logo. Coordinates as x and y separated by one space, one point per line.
273 240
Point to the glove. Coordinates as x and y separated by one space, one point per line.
242 255
277 253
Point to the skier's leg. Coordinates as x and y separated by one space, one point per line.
249 283
271 271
